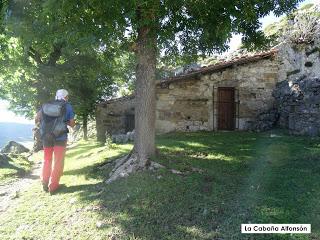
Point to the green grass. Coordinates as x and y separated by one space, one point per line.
15 167
247 178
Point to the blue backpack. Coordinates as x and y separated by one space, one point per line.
53 122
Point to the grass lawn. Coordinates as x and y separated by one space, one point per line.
13 167
246 178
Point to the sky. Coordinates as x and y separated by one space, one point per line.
8 116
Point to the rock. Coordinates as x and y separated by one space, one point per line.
123 138
198 170
14 147
15 195
298 105
265 120
176 172
4 159
100 224
73 200
3 194
274 135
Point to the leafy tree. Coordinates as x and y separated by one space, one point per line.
154 29
88 81
42 54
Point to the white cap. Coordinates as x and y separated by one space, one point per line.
61 94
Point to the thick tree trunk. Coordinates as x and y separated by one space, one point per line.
85 127
144 144
145 97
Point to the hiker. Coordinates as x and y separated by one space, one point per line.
54 117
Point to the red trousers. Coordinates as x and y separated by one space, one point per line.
52 170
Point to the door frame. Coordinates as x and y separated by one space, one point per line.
233 89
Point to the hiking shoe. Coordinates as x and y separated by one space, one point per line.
45 187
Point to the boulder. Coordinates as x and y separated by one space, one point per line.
4 159
14 147
123 138
298 105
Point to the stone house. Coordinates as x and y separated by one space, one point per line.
229 95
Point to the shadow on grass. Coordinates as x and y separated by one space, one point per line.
82 149
91 170
248 177
14 167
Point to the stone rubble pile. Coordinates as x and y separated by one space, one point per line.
123 138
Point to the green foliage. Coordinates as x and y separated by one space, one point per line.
42 52
301 26
3 10
87 79
184 29
50 35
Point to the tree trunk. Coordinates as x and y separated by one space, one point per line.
85 127
37 141
145 96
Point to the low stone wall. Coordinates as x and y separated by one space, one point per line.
111 116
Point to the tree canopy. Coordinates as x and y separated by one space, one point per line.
40 55
151 29
162 31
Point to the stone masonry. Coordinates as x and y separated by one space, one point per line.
111 116
192 104
280 87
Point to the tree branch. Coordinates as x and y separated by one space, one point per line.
35 55
55 55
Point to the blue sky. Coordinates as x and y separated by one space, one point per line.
8 116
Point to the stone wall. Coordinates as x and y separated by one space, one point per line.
111 116
298 92
192 105
299 105
296 61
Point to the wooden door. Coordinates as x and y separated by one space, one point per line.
129 122
226 109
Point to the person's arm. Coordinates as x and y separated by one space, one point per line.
70 116
71 123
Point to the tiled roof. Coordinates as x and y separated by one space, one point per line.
208 69
220 66
124 98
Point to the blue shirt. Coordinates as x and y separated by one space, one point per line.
69 115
